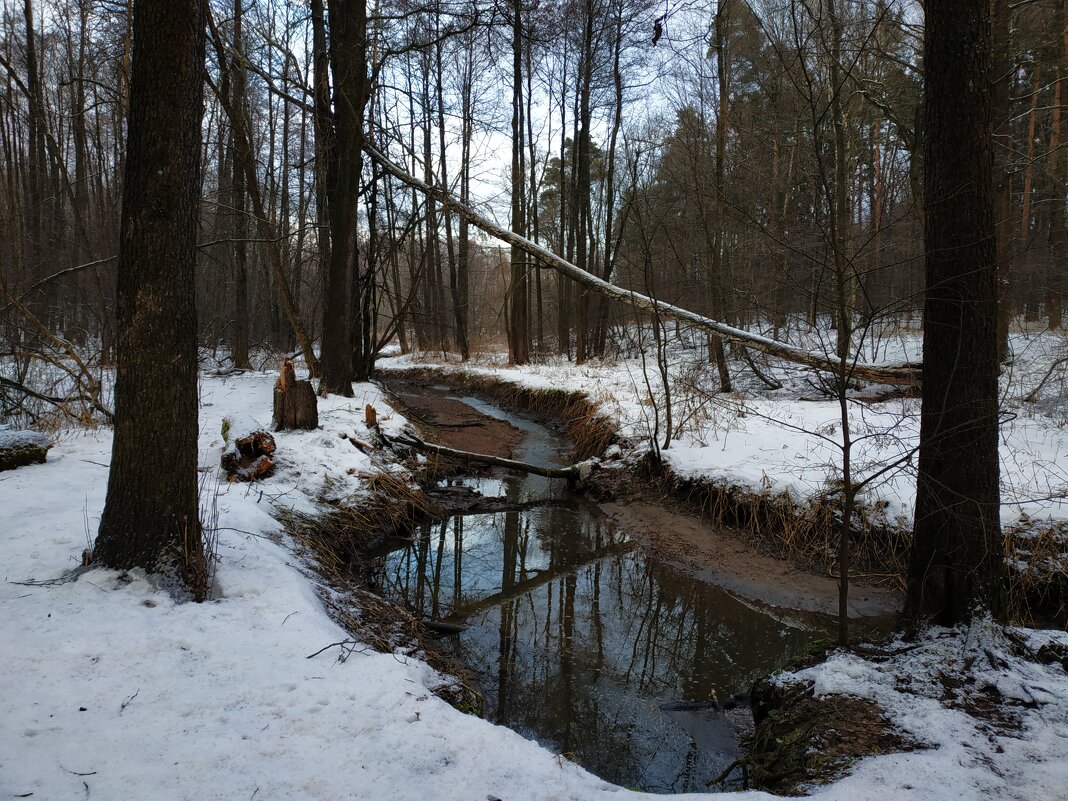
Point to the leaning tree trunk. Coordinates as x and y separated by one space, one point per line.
904 374
150 517
957 556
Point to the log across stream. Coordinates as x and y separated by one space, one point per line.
578 639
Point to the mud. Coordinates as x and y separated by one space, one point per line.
665 531
718 556
451 422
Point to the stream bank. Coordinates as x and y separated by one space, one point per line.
622 634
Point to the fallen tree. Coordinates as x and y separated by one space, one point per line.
571 473
899 374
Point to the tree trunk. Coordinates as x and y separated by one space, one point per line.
956 565
150 517
518 327
239 228
1003 70
348 25
718 279
295 406
1058 237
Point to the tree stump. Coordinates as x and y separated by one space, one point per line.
249 458
295 404
18 448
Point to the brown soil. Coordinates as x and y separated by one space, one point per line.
453 423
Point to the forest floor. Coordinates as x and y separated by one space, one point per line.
114 687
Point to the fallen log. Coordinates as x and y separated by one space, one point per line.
20 448
444 628
902 374
571 473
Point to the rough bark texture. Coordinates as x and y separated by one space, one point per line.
150 517
294 401
957 560
348 25
518 325
240 223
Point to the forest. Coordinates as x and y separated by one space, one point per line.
681 386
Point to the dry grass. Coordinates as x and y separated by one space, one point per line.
804 532
1037 557
335 547
342 534
802 740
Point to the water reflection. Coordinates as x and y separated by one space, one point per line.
580 641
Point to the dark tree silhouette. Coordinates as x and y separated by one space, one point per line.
150 517
957 558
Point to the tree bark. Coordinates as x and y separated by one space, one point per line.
348 27
150 517
518 325
956 566
240 222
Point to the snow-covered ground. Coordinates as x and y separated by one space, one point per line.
789 439
112 690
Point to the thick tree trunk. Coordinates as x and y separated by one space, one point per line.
1058 236
348 25
717 279
583 184
150 517
1002 76
956 565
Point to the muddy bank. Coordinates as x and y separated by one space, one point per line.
571 413
451 422
680 525
719 556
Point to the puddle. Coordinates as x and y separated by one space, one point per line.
581 642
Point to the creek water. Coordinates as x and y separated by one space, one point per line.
580 641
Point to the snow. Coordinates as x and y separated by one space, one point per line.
114 690
965 756
20 438
790 440
111 685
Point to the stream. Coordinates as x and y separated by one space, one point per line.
580 641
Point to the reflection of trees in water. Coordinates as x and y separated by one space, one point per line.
578 639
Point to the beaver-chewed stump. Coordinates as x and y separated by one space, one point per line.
18 448
249 458
295 405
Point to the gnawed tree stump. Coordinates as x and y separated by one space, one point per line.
295 405
249 458
18 448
